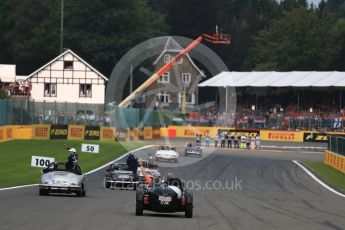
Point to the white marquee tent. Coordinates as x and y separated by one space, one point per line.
276 79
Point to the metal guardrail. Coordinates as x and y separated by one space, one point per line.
336 144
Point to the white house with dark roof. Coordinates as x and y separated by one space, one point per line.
67 78
168 91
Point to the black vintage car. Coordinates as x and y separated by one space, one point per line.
119 176
165 198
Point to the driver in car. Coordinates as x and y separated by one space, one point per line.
174 183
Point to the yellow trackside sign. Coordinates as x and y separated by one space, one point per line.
107 134
41 132
147 133
277 135
76 132
334 160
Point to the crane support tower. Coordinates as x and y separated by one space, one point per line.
216 38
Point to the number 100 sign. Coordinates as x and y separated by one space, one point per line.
88 148
42 162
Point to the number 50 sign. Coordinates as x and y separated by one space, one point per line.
42 162
88 148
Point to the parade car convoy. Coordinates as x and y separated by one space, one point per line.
153 193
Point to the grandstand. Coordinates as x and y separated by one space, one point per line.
282 100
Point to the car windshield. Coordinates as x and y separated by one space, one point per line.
61 166
121 166
57 167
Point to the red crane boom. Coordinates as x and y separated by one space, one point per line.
217 38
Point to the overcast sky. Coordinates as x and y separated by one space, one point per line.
315 2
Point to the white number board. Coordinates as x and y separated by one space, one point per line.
42 162
88 148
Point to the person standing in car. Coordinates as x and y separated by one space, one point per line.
132 164
72 159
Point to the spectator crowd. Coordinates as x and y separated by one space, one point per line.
16 88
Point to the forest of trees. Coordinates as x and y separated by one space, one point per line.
268 35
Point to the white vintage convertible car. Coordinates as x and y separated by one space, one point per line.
166 153
56 179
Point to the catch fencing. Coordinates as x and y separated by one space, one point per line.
336 144
22 111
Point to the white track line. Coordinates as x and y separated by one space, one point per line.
318 180
92 171
22 186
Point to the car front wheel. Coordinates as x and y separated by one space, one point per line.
139 209
107 184
189 211
81 191
43 192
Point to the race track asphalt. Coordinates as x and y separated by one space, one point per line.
271 193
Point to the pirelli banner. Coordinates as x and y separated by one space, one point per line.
92 133
334 160
148 133
9 133
59 132
6 133
187 131
277 135
41 132
107 134
156 132
2 135
76 132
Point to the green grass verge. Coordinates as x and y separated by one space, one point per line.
15 157
328 174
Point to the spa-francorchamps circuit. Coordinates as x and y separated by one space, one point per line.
172 114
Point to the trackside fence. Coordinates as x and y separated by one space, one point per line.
22 111
336 144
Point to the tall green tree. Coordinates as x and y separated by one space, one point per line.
99 31
243 19
338 31
300 40
287 5
29 32
103 31
193 17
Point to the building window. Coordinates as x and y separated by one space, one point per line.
186 78
165 78
49 90
190 98
68 65
180 61
85 90
167 58
163 97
